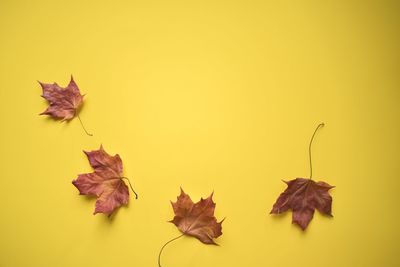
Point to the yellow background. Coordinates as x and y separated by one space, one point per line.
207 95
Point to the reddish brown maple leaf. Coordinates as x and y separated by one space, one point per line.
196 219
64 102
303 196
105 182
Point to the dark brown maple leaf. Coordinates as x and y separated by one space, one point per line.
303 196
196 219
106 182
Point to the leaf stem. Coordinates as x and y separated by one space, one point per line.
162 248
309 146
136 195
83 126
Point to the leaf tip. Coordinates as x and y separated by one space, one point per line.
212 194
182 191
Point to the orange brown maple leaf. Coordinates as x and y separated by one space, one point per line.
63 102
303 196
106 182
196 219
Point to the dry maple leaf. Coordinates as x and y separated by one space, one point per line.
195 219
303 196
64 103
106 182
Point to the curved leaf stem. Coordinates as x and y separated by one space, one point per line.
136 195
162 248
83 126
309 146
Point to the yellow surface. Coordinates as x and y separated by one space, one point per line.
208 96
